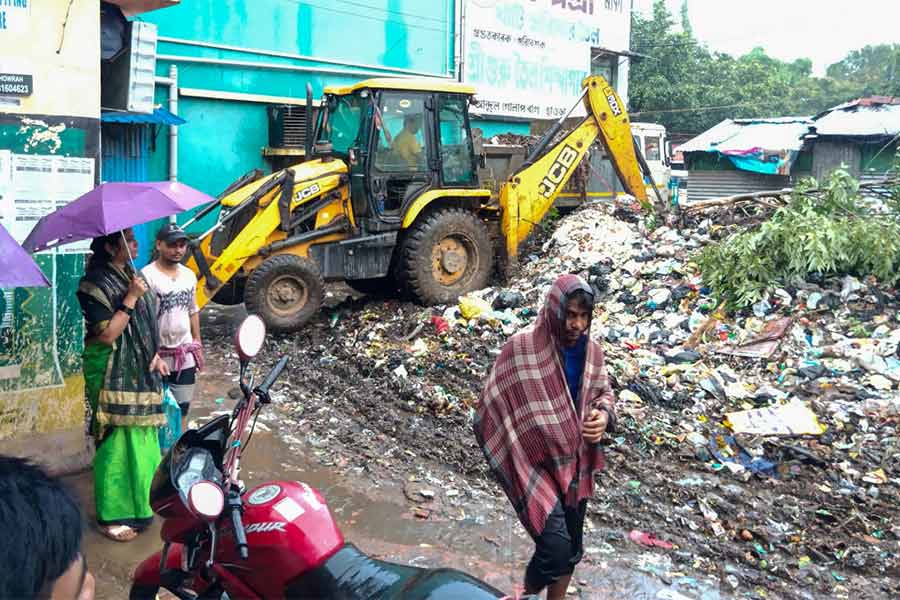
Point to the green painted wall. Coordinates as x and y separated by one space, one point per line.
402 34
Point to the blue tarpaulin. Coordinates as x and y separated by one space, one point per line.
159 116
767 164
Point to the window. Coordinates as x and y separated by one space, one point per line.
456 141
606 65
341 124
651 148
399 131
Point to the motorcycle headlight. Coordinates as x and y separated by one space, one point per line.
206 500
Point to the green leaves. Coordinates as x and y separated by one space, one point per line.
826 229
682 79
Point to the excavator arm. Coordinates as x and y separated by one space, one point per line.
529 193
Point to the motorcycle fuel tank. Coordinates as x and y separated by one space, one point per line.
289 532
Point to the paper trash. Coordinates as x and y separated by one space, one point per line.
794 418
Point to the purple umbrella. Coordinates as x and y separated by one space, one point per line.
17 269
112 207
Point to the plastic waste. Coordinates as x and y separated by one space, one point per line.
813 300
170 432
471 307
762 308
440 324
508 299
649 540
849 287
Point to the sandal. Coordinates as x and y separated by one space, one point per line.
119 533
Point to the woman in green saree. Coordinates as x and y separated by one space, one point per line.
122 375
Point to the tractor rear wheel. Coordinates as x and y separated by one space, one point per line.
446 255
286 291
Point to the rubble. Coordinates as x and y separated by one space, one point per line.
760 448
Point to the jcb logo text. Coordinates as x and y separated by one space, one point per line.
613 102
558 172
307 192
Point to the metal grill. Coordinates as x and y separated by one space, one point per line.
703 185
289 124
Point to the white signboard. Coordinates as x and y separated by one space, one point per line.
14 15
527 58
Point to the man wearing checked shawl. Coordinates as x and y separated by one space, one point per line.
544 408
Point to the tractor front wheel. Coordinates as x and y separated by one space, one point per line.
446 255
286 291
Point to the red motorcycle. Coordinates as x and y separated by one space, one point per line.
277 540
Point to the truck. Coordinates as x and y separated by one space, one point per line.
389 198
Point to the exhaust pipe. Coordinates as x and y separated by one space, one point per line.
309 123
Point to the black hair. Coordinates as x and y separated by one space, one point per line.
581 298
101 256
41 524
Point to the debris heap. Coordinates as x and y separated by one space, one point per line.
758 448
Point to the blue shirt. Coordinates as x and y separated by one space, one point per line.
573 365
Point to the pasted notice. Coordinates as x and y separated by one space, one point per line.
43 183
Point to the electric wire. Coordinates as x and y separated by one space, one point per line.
369 17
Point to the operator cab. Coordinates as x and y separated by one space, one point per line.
399 138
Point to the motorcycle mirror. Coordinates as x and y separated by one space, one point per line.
248 340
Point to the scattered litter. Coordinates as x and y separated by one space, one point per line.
648 539
749 439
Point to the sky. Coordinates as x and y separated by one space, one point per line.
824 31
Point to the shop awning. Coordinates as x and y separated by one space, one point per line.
159 116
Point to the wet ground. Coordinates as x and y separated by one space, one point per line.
375 409
377 511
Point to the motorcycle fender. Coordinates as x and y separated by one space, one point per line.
149 573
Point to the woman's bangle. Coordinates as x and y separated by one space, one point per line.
125 309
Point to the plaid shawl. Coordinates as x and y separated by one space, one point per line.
526 422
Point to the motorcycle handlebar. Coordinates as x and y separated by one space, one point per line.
240 536
263 390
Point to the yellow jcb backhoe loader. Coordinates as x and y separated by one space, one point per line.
388 197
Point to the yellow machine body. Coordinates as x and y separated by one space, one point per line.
435 244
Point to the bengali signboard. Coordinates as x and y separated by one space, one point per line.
527 58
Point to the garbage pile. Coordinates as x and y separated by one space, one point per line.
759 449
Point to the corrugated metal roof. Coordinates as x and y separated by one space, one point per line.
159 116
742 135
859 118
